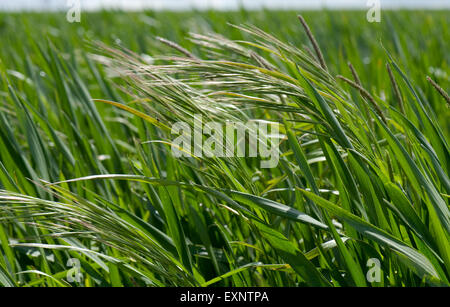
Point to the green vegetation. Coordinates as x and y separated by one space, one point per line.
86 170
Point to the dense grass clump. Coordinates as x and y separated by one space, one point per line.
87 172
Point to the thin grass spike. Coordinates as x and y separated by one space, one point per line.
439 89
365 94
354 73
313 42
177 47
397 93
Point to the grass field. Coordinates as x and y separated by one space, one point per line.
90 188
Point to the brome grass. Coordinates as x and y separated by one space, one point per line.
86 169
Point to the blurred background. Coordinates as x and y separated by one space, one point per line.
44 5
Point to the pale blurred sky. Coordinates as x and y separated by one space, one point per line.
216 4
